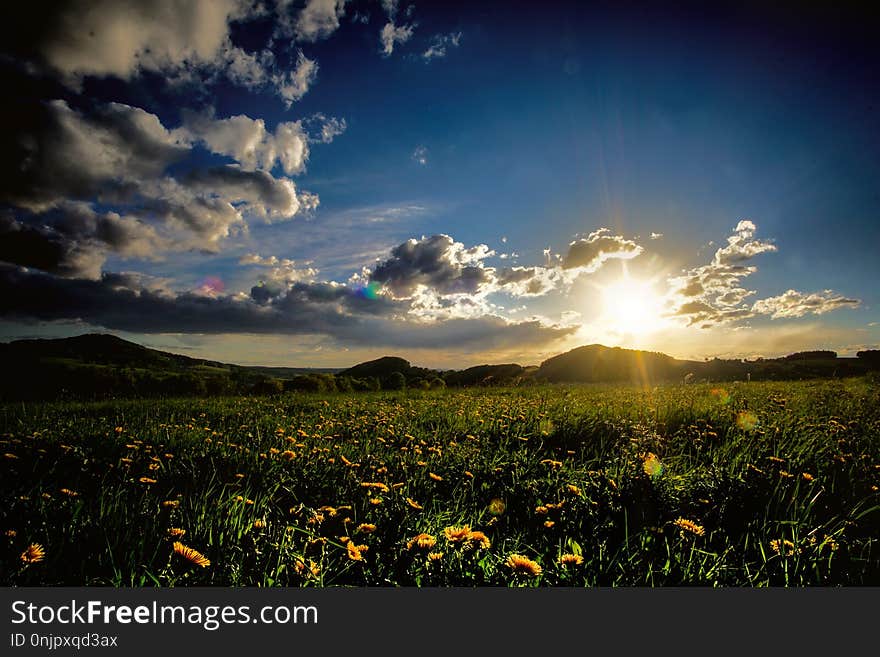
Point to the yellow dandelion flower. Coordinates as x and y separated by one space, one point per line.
435 557
569 560
147 480
10 456
375 501
551 463
783 547
414 504
34 553
549 524
435 477
574 490
193 556
689 526
807 476
354 552
377 485
480 539
69 493
422 541
468 474
541 510
522 565
176 532
10 533
366 528
171 504
456 534
259 524
239 475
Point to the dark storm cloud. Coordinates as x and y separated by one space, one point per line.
124 302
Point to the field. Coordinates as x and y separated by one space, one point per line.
750 484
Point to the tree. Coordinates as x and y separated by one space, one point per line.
394 381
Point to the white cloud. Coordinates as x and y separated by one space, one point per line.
440 44
293 85
420 155
797 304
392 34
590 253
248 142
319 19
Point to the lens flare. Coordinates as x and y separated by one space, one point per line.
369 291
721 395
746 420
211 286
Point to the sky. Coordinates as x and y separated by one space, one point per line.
322 182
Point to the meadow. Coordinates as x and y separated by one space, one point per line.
740 484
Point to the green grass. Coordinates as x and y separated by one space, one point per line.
780 481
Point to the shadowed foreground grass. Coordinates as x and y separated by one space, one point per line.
747 484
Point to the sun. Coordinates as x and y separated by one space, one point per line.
630 305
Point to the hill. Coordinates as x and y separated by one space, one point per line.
101 366
596 363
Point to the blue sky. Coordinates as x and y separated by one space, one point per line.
511 179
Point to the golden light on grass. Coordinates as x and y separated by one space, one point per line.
193 556
33 554
689 526
522 565
570 560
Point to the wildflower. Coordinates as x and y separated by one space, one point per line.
574 490
10 533
171 504
551 463
259 524
785 475
375 501
807 476
366 528
522 565
421 541
481 539
541 510
435 557
34 553
569 560
457 534
354 552
193 556
239 475
147 480
378 485
288 455
784 547
176 532
689 526
549 524
414 504
435 477
10 456
468 474
68 492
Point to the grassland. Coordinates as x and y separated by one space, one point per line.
750 484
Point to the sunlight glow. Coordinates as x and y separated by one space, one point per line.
631 306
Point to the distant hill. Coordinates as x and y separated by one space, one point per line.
98 366
597 363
